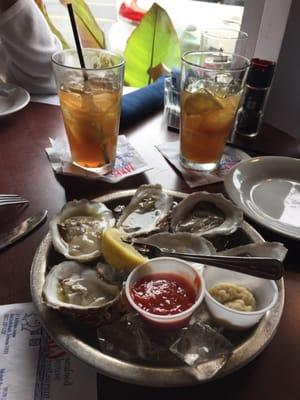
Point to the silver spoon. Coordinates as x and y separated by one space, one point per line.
262 267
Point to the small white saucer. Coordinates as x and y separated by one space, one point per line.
267 189
12 99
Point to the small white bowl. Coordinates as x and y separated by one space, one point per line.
168 265
264 291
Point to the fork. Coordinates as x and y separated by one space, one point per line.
262 267
6 199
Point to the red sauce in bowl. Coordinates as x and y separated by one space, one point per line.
163 294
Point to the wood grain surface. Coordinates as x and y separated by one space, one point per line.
26 170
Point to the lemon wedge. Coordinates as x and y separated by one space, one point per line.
118 254
201 102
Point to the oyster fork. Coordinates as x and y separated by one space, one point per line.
6 199
262 267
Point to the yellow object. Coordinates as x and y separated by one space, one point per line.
200 102
118 254
234 296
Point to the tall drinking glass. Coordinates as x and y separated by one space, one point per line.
211 87
90 100
225 40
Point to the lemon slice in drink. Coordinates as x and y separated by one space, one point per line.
118 254
200 102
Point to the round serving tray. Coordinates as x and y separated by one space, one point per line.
73 341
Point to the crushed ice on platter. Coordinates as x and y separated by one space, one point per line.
199 347
203 349
202 316
118 209
131 339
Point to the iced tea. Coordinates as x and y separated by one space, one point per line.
211 87
92 125
206 121
90 99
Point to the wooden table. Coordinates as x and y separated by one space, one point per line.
25 170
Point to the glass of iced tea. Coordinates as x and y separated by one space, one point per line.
211 86
90 100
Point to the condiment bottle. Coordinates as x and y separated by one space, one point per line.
250 114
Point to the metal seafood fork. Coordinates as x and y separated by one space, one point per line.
262 267
6 199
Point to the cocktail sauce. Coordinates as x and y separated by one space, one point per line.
163 294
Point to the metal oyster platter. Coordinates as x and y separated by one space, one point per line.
81 342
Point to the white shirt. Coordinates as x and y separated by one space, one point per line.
26 46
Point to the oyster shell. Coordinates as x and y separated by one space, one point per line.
206 214
147 211
76 231
182 242
266 249
79 292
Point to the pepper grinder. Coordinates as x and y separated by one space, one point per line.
258 82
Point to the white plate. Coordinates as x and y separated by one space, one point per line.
12 99
267 189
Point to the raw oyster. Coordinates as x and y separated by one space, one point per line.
76 231
182 242
110 274
206 214
266 249
147 211
79 292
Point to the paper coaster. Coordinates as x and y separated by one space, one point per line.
193 179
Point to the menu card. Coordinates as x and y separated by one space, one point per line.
33 366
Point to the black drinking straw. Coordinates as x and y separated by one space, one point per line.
77 39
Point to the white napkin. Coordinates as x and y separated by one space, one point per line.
32 366
231 156
128 161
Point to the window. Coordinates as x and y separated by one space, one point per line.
263 20
104 11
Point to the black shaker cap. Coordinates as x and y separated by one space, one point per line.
260 73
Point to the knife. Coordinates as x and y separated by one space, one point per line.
25 227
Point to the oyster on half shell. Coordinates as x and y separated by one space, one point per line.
267 249
182 242
206 214
79 292
76 231
147 211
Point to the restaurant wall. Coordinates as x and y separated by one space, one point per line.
283 108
